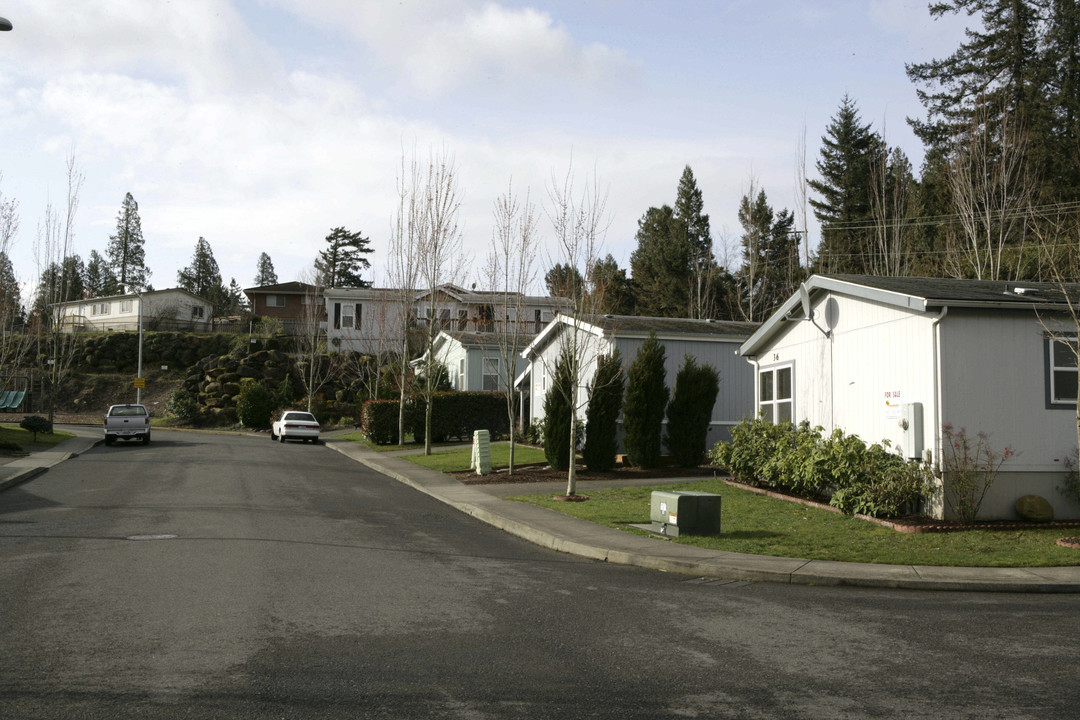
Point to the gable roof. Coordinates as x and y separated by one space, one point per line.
923 295
283 288
632 326
132 296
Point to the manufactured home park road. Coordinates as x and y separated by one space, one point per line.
228 576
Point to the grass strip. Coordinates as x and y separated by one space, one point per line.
15 434
459 458
761 525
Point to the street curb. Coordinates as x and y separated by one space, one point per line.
754 568
24 476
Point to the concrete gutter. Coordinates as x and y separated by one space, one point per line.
564 533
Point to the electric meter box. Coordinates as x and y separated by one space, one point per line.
685 512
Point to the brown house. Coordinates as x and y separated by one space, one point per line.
288 302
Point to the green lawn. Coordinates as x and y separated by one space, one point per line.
459 458
410 444
761 525
15 434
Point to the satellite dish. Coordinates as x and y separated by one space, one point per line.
5 24
804 298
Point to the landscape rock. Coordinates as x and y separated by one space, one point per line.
1034 508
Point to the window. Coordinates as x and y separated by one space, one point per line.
491 374
125 306
99 309
461 374
1061 372
346 315
198 311
775 398
275 301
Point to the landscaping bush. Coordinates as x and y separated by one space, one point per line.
646 400
254 405
558 404
379 421
690 410
183 404
853 477
602 417
458 414
534 432
36 424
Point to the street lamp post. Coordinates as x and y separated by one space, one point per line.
138 388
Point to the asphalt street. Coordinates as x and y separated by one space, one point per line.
210 576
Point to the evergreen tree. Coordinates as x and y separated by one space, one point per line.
234 298
203 277
660 265
564 281
690 412
558 404
614 292
770 271
602 416
264 272
59 282
843 205
646 401
693 228
127 258
343 259
11 312
99 278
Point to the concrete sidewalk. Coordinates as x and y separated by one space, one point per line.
579 537
21 469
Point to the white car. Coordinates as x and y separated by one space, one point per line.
295 425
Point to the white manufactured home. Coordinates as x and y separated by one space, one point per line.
473 360
172 309
711 342
898 358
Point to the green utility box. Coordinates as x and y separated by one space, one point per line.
684 512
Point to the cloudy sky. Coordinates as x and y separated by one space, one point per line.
262 124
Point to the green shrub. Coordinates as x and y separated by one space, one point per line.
534 432
36 424
690 411
183 404
558 404
602 417
379 421
457 415
646 400
6 446
853 477
254 405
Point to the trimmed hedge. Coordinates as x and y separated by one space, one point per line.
453 415
852 476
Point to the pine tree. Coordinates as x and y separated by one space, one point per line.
693 227
602 416
843 206
558 404
203 277
613 290
264 272
690 412
660 265
646 400
564 280
127 258
11 312
99 278
343 259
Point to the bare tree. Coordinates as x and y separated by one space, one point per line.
891 207
406 229
511 272
579 222
54 245
441 259
802 196
991 193
315 365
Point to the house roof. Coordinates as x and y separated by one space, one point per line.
282 288
921 295
632 326
133 296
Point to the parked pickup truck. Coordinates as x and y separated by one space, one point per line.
127 422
